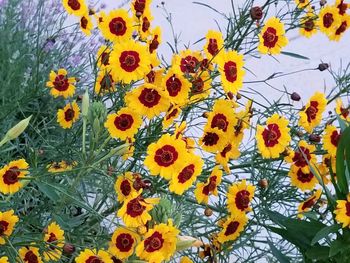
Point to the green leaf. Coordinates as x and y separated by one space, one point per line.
338 246
279 256
294 55
324 232
318 252
340 162
48 191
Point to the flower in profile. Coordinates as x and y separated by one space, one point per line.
54 238
56 167
4 259
7 224
155 77
124 186
337 34
102 56
307 205
183 179
329 20
232 227
130 150
342 111
172 113
134 211
201 85
230 66
129 61
144 23
303 156
92 256
30 255
166 156
203 190
68 115
11 175
239 196
327 167
159 243
342 212
331 139
301 179
273 139
302 3
187 62
104 83
60 84
272 37
86 24
213 140
308 24
177 87
155 39
214 43
311 116
75 7
123 243
123 124
147 100
117 26
342 6
231 151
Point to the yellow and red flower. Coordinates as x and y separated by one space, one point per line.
124 186
311 116
329 20
203 190
68 115
231 151
213 140
342 111
307 205
60 84
144 22
30 255
54 238
342 7
123 243
56 167
86 24
104 83
89 256
342 212
187 62
117 26
7 224
331 139
239 196
155 40
272 37
201 86
337 34
11 175
177 87
302 157
138 7
155 77
303 180
172 113
102 56
214 43
232 227
308 24
273 139
75 7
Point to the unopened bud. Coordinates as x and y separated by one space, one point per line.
208 212
68 248
256 13
85 104
230 95
185 242
300 134
323 66
295 96
141 230
238 96
205 115
91 12
314 138
16 130
263 183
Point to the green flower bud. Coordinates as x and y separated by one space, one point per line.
185 242
85 104
16 130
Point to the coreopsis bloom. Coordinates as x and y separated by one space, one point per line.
68 115
308 25
148 100
104 83
177 87
10 176
62 166
203 190
138 7
129 152
187 62
303 180
172 113
327 167
231 151
117 26
134 211
213 140
86 24
4 260
311 116
124 186
273 139
272 37
214 43
183 179
75 7
92 256
30 255
60 84
102 56
54 238
342 7
201 85
129 61
159 243
230 66
302 3
144 28
155 77
331 139
342 212
342 111
340 30
307 205
155 39
7 224
303 156
239 196
123 243
123 124
232 227
166 156
329 19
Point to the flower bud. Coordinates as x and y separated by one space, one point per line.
256 13
230 95
16 130
208 212
314 138
85 104
323 66
185 242
141 230
205 115
238 96
263 183
295 96
68 248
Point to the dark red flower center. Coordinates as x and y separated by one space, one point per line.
173 86
271 134
230 69
30 257
342 7
154 242
61 83
149 97
145 24
210 139
134 208
299 159
342 28
309 203
171 114
74 4
242 200
154 44
213 46
186 173
210 186
117 26
151 76
347 206
52 239
304 177
311 111
3 227
220 121
335 137
189 64
123 122
129 60
166 156
344 112
270 37
328 20
125 187
105 58
197 86
69 115
94 259
11 175
309 25
84 22
124 242
231 228
226 150
140 5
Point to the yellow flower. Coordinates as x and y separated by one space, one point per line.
57 167
86 24
177 87
54 239
331 139
60 84
117 26
155 77
308 25
303 180
214 43
273 139
239 196
124 186
68 115
166 156
75 7
183 179
232 227
302 3
144 23
30 255
343 112
88 256
155 40
172 113
311 116
129 61
187 62
231 151
327 165
340 30
7 224
307 205
159 243
342 7
10 176
104 83
130 151
4 260
123 124
134 211
303 156
230 66
123 243
201 86
342 212
102 56
203 190
272 37
213 140
329 20
138 7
